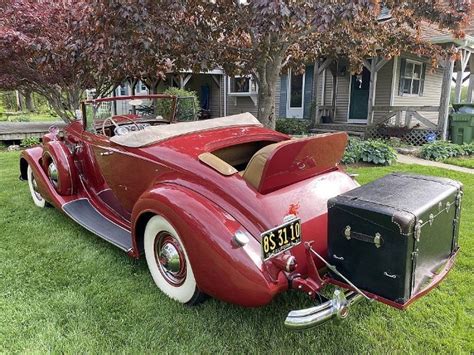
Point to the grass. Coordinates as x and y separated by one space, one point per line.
467 162
64 290
29 117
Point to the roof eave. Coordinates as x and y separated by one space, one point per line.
467 41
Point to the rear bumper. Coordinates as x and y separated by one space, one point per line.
338 307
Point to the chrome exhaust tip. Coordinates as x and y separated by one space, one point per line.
338 307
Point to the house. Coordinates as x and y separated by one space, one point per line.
403 96
403 93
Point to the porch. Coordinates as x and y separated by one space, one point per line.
387 98
414 125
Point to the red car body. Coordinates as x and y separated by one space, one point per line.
127 186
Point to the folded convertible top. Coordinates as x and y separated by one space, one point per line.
155 134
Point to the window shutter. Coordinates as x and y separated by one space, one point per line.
422 81
403 63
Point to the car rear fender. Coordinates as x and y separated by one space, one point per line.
222 269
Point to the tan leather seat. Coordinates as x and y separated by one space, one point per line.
254 170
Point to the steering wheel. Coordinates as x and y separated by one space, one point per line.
116 124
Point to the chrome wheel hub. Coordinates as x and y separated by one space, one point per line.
53 174
170 258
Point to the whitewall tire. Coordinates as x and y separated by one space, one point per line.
35 195
168 262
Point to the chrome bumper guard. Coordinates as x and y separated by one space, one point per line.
338 307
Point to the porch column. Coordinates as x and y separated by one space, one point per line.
183 80
374 66
470 89
316 76
465 56
319 68
114 102
372 87
444 100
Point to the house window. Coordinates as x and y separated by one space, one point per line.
242 85
412 77
122 90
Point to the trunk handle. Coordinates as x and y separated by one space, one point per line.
377 239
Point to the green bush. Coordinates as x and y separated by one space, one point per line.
292 125
371 151
440 150
188 105
29 142
377 152
352 153
468 149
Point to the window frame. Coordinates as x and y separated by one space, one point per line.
412 78
252 83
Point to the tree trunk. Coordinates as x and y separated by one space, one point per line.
268 74
29 101
64 102
19 101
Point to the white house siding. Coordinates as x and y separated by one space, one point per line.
431 92
277 100
342 95
383 89
240 104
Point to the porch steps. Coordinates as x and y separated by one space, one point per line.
351 133
356 130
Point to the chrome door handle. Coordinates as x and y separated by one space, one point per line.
107 152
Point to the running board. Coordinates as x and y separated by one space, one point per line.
87 216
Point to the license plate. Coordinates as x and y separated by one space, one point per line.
281 238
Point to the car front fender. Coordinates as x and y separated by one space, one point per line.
32 157
222 269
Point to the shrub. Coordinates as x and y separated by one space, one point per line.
440 150
187 104
292 125
352 153
468 148
377 152
370 151
29 142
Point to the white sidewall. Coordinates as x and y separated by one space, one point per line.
40 202
185 291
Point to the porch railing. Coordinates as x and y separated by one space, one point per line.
405 116
409 123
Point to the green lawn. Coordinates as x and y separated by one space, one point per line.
30 117
64 290
467 162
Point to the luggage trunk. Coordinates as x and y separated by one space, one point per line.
391 237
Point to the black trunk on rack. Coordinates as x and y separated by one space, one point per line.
389 237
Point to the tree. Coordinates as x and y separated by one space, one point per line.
262 37
60 48
42 50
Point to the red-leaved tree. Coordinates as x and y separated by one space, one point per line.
262 37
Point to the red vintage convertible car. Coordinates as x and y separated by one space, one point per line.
222 207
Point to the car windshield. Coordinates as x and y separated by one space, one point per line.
150 109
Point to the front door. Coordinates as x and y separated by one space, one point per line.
295 97
359 96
